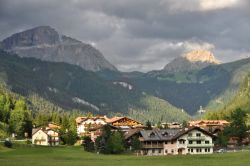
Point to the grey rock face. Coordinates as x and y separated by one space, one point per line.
46 44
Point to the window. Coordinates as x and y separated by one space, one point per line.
159 151
181 142
198 134
206 142
198 150
172 142
190 142
198 142
188 150
205 149
166 142
166 151
190 134
152 134
153 151
192 150
172 151
208 149
164 134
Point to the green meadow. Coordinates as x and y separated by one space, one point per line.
49 156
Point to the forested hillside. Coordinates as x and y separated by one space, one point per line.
241 100
60 86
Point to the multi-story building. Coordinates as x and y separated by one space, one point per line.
84 124
213 126
192 140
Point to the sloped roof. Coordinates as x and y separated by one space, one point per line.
131 132
35 130
117 118
84 118
159 135
212 122
169 134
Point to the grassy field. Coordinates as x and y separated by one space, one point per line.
76 156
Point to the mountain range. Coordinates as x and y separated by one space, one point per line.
48 68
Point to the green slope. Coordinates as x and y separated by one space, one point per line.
241 100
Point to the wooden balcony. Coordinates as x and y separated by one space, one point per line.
151 146
196 138
200 145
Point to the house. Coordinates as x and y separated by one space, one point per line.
84 124
209 123
124 123
45 137
213 126
192 140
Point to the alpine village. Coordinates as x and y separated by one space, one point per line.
44 121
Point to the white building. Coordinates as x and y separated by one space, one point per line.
45 137
86 123
192 140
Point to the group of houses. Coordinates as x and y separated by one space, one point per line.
197 138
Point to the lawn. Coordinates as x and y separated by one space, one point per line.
72 156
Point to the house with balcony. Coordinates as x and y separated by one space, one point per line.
45 137
192 140
85 124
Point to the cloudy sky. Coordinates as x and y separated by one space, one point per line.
139 34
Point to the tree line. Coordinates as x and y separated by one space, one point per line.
17 118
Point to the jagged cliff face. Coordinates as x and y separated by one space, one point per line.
193 60
46 44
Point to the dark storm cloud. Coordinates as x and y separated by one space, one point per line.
142 34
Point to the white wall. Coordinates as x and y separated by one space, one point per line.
38 136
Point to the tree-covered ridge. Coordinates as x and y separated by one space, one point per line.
56 87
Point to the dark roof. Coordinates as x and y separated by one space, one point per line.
169 134
159 135
132 132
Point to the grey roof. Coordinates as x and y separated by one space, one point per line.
159 135
169 134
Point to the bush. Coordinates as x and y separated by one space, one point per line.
28 142
88 144
69 138
8 144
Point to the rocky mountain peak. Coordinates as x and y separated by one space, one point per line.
32 37
201 56
193 60
47 44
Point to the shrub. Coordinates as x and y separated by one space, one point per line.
8 144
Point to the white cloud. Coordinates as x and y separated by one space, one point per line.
217 4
